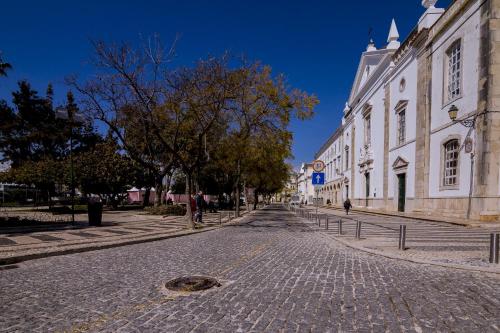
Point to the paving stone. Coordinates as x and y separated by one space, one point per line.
276 274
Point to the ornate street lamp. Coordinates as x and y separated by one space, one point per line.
64 113
453 112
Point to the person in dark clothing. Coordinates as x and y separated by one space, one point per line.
347 206
192 203
199 207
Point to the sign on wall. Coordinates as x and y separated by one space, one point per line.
469 145
318 165
318 178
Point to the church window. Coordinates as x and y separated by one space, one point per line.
401 126
454 71
346 157
368 128
451 150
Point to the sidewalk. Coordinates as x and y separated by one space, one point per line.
427 242
416 216
26 245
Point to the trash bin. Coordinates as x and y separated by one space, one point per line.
95 213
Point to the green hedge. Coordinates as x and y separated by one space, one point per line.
175 210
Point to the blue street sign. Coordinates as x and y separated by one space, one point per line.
318 178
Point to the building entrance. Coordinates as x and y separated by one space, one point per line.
401 192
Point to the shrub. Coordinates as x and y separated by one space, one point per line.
175 210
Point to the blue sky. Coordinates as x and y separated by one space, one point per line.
316 44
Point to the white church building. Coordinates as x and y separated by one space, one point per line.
421 127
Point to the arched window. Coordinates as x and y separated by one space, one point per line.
346 157
454 71
451 150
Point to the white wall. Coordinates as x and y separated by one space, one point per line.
375 98
466 28
407 70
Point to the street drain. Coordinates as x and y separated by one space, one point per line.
192 283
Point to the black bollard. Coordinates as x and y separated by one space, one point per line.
340 227
494 245
326 223
358 229
402 237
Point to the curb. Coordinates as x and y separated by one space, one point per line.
26 257
32 256
396 257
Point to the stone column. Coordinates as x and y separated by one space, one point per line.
487 171
422 149
353 163
387 105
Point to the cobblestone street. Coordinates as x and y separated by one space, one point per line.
277 274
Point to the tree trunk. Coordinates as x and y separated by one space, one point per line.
189 213
145 200
159 190
237 191
49 199
246 196
255 199
237 195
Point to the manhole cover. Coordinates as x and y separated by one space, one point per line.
192 283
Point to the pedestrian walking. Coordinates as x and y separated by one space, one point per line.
199 207
347 206
192 203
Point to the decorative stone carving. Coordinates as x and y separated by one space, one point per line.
400 163
365 161
429 3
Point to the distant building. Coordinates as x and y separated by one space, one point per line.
397 148
304 184
331 153
290 187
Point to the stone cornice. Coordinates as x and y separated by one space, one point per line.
452 13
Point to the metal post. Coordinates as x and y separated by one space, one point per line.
497 245
358 229
471 184
229 217
494 248
318 219
72 172
326 223
220 218
340 228
317 191
402 237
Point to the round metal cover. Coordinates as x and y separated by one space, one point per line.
192 283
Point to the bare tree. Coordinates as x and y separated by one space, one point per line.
125 94
161 118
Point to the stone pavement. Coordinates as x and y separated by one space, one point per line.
277 275
433 242
119 228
